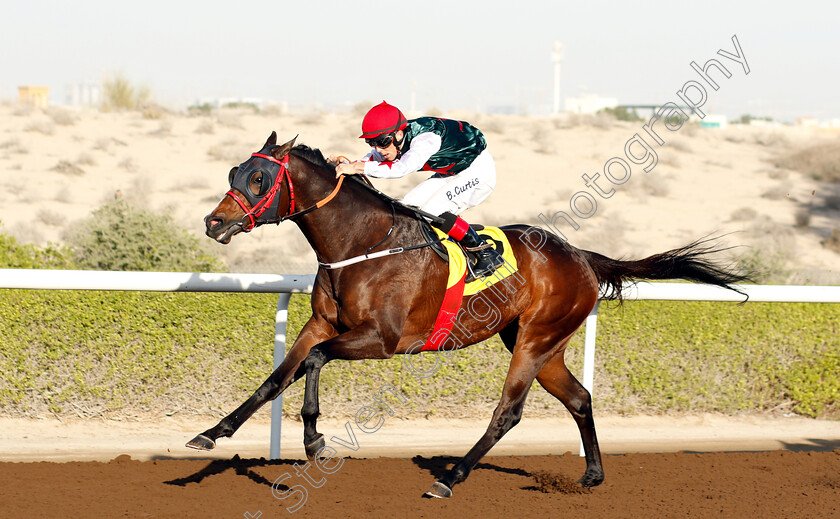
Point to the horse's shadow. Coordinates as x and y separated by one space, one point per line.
813 445
242 467
439 465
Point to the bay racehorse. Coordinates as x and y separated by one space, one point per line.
377 308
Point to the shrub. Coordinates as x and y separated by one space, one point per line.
778 192
820 161
680 146
85 159
128 164
802 217
833 241
542 139
772 247
202 109
766 263
230 151
45 127
119 236
14 255
119 94
13 146
743 214
206 127
247 107
61 117
49 217
621 113
66 167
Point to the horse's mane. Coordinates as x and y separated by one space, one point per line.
312 155
315 157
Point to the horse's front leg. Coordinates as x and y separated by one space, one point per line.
314 331
363 342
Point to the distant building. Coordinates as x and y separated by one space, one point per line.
83 93
502 109
765 123
806 121
589 104
36 96
714 121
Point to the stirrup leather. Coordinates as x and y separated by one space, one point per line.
480 247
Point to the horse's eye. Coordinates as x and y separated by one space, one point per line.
258 186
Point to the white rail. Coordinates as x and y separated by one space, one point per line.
695 292
154 281
285 284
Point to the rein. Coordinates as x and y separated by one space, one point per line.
260 207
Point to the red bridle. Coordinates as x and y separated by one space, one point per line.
261 206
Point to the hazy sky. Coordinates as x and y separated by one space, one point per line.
459 54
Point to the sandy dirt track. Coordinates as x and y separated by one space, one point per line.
766 484
655 467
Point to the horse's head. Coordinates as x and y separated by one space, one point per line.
255 196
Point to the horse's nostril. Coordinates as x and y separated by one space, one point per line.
212 223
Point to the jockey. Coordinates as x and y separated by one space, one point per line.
464 172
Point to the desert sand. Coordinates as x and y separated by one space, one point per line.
58 165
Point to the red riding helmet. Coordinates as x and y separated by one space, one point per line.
382 119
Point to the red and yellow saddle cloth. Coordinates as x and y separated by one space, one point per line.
456 289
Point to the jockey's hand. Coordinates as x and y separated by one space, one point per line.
350 168
334 159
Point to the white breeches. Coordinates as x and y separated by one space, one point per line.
455 193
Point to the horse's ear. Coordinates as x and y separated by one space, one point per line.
272 140
281 151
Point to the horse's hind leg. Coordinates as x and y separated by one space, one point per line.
557 380
524 366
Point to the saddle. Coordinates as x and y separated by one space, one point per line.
431 236
456 285
436 243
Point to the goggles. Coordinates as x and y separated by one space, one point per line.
382 141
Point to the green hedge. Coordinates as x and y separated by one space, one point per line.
90 353
703 356
104 352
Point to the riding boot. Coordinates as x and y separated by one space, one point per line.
487 258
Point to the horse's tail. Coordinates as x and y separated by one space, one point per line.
691 263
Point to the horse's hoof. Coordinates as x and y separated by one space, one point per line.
439 491
202 443
591 479
314 446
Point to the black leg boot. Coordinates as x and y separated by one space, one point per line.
487 259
